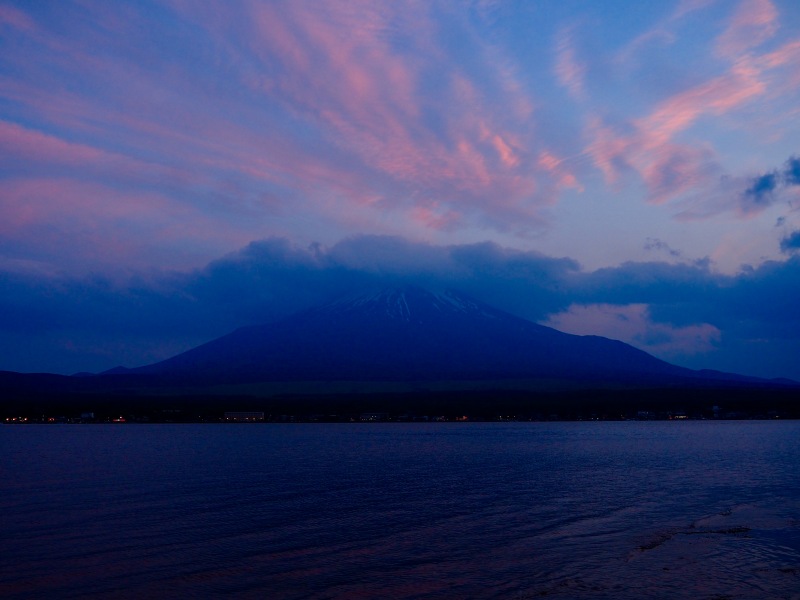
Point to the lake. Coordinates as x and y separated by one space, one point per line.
692 509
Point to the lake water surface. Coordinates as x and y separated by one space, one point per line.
694 510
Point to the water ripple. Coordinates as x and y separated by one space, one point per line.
566 510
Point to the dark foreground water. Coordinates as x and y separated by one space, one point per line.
696 510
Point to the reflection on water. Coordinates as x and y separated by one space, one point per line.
567 510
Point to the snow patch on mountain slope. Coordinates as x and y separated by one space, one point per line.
409 303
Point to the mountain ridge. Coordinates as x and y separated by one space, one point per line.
409 333
400 351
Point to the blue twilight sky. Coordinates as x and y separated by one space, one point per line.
172 170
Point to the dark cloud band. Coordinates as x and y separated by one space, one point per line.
72 324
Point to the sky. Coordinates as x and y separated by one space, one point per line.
171 170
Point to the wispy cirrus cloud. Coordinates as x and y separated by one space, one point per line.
103 226
753 23
347 112
686 7
439 121
15 18
342 72
661 147
569 69
667 167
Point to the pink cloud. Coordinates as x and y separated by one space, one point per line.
225 136
370 100
330 103
686 7
632 53
608 149
30 201
16 18
348 110
429 217
667 168
31 150
185 140
20 143
754 22
789 53
557 168
660 146
715 97
786 57
95 224
569 70
633 324
506 152
674 169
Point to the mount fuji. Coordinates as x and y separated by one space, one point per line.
397 349
412 334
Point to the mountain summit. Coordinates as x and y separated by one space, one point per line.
409 334
399 349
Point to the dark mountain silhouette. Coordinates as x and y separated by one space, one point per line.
410 334
397 350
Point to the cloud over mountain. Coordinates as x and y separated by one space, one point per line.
92 321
